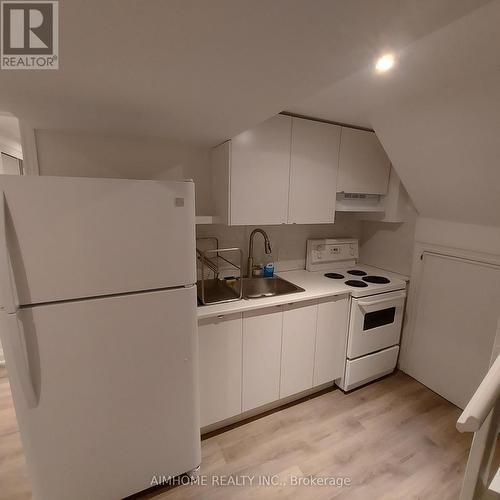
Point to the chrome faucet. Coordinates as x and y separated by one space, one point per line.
267 249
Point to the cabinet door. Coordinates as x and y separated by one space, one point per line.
220 355
313 172
331 338
261 356
260 169
363 164
297 356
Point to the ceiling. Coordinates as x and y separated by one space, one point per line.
437 114
454 56
200 72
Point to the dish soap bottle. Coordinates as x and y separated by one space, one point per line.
268 267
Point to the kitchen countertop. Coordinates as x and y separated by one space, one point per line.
316 286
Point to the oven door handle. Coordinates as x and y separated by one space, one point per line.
393 298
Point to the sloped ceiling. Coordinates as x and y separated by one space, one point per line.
437 115
201 71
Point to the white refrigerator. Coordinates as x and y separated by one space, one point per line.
98 298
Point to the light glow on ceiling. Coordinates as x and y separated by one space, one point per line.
385 63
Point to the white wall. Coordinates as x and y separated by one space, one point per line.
90 155
288 240
389 245
10 135
468 237
9 165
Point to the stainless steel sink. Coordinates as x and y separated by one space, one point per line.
254 288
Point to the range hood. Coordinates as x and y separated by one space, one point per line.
359 202
394 206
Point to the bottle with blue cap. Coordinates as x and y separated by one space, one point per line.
268 270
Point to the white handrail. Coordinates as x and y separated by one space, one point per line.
482 401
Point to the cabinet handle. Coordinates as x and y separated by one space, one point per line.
220 316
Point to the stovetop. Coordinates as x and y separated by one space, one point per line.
362 280
336 261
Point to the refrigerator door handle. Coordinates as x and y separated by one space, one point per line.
8 295
19 351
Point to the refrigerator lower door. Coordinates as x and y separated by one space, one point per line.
116 385
69 237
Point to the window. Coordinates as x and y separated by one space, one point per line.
379 318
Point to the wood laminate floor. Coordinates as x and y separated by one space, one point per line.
394 439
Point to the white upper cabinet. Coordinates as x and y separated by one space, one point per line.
288 170
313 171
259 173
363 164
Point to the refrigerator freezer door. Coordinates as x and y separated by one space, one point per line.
71 237
117 389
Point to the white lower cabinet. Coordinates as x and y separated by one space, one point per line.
250 359
331 338
220 356
298 345
261 356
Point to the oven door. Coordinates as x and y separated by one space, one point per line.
375 323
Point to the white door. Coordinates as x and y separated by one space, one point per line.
260 169
220 353
313 172
455 318
116 388
299 338
331 338
363 164
261 356
74 237
375 323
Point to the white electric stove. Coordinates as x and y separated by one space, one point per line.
376 309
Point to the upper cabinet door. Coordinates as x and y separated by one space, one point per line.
260 169
363 164
313 172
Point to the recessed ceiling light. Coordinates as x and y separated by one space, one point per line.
384 63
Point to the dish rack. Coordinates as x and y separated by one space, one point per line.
215 290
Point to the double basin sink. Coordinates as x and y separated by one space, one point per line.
252 288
